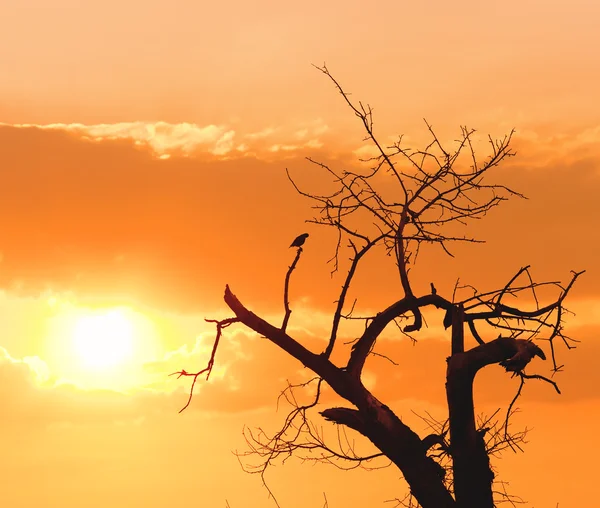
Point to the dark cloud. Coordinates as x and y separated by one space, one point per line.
106 218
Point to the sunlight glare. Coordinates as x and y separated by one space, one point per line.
108 347
103 340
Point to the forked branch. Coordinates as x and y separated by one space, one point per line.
224 323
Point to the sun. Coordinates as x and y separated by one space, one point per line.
110 347
103 340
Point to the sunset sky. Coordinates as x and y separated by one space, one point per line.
143 152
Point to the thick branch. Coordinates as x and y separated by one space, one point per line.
502 350
317 363
458 331
346 416
365 343
472 473
395 439
401 445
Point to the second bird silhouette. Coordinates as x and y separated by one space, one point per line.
299 241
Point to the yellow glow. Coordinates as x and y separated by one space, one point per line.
103 340
107 347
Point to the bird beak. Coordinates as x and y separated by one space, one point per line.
540 353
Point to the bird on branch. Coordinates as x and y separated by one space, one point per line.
526 351
299 241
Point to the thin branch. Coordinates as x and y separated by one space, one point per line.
211 361
286 288
358 255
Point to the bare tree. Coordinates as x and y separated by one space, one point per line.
402 200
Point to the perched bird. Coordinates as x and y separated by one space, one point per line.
526 351
299 241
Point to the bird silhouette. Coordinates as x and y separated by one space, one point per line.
299 241
526 351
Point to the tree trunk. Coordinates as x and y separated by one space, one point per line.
401 445
472 473
471 465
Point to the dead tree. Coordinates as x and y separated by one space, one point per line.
404 200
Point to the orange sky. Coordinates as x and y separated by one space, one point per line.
144 147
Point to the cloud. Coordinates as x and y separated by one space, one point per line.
318 127
264 133
30 396
161 137
366 151
22 372
249 374
107 215
283 148
225 144
105 218
301 134
544 148
312 143
78 435
288 139
187 139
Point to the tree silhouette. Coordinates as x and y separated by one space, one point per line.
405 200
